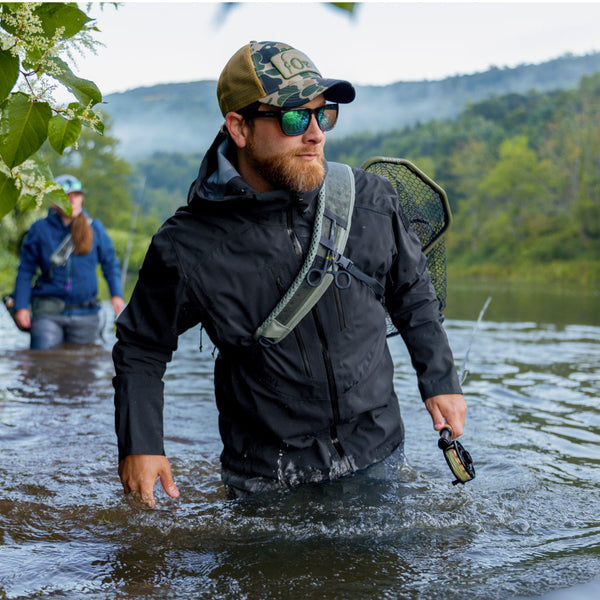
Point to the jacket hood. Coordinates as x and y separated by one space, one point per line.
219 182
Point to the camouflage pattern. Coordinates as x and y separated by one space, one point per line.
288 78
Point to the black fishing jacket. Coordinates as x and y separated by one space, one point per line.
321 403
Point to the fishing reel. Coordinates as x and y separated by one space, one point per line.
458 459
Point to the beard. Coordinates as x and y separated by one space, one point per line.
283 171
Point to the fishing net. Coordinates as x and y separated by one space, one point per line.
426 206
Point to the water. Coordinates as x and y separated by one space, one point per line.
528 526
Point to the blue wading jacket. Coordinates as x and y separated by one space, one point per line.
321 403
76 283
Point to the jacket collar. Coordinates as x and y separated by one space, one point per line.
219 181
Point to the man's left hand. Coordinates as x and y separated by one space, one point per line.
448 409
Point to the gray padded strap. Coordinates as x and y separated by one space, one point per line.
332 222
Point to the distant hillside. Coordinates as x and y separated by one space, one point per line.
184 117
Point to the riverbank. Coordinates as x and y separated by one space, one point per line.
583 273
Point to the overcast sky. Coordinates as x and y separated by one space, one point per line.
383 42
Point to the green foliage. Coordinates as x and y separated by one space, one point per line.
27 128
521 173
107 178
167 179
110 186
33 36
347 6
63 133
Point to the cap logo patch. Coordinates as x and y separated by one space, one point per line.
291 63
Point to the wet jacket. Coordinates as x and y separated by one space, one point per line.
321 403
76 283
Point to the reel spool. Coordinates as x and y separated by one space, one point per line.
458 459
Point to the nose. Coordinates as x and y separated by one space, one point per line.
313 134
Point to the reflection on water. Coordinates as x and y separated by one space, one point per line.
528 525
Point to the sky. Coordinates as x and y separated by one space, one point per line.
146 43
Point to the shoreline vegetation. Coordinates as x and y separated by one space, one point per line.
583 273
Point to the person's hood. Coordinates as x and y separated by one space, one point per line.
219 182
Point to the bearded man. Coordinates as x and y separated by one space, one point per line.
319 404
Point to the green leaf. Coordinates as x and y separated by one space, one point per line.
25 128
60 198
62 132
61 14
31 62
84 90
8 194
26 202
347 6
42 168
9 72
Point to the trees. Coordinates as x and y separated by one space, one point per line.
35 40
106 177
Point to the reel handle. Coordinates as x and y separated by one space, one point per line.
445 437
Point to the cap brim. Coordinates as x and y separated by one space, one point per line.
339 91
334 90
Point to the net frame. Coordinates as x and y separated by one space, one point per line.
426 206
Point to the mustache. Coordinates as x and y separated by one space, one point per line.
307 150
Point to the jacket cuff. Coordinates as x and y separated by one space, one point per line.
139 415
438 388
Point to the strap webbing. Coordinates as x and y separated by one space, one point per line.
332 222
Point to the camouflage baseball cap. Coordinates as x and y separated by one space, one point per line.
277 74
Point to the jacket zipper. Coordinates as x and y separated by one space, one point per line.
333 396
340 308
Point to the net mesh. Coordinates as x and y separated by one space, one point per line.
426 206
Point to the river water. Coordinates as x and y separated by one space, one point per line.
528 526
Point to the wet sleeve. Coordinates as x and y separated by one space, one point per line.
26 271
147 333
414 308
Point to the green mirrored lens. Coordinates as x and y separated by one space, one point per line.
326 118
295 122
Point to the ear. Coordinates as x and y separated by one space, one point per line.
238 128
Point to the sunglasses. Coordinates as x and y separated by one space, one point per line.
295 121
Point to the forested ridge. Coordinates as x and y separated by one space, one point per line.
182 117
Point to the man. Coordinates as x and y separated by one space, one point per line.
319 404
66 250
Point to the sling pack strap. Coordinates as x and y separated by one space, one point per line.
330 233
64 250
62 253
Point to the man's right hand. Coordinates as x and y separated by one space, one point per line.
139 472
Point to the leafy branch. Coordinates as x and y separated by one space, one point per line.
34 37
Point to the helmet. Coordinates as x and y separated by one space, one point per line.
69 184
